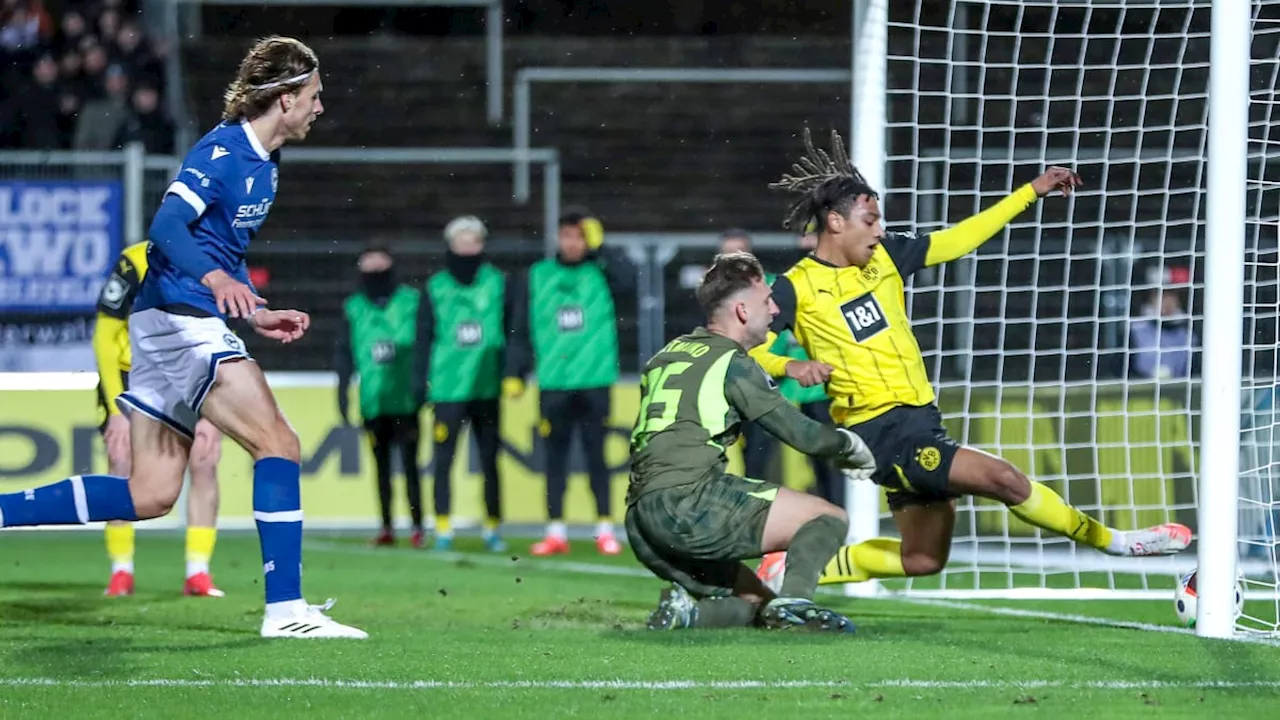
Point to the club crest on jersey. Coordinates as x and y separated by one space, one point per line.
570 318
114 291
469 333
384 352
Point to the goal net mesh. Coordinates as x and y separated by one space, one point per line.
1068 345
1260 416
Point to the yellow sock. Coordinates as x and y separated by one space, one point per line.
442 526
200 541
491 524
120 546
874 558
1044 508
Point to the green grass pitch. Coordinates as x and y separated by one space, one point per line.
470 634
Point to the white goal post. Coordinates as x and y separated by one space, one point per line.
1070 344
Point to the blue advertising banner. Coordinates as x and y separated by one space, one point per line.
58 242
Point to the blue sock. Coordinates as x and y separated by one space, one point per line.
74 501
277 510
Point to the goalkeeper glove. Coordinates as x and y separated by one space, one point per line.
593 233
856 462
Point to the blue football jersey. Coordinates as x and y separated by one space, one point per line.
230 180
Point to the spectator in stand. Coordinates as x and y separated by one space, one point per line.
92 85
103 120
70 30
92 80
24 26
108 27
33 114
134 50
147 123
1161 343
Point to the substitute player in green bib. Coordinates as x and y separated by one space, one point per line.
377 342
572 320
812 400
693 524
814 403
463 322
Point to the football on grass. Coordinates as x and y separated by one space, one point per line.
1184 598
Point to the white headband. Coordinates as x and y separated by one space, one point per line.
289 81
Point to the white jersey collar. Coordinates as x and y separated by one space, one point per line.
253 140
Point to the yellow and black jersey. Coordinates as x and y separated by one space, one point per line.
855 319
111 327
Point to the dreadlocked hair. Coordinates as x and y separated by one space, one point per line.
825 182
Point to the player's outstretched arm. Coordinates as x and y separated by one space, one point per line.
755 399
965 237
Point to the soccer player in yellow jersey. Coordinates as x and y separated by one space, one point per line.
111 346
846 305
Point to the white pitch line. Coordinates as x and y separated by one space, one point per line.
597 569
642 685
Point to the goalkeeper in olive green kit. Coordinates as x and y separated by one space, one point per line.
693 524
467 314
378 341
572 326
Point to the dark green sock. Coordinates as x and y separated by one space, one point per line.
724 613
811 549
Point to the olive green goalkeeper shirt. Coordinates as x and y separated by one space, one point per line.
694 395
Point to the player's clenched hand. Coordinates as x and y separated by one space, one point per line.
857 462
1056 178
234 298
283 325
808 372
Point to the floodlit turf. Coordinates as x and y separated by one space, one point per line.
471 635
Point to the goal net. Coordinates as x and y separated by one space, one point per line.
1069 344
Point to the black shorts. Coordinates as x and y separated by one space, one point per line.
400 429
913 454
450 416
103 411
572 406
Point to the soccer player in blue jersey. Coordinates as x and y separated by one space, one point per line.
188 364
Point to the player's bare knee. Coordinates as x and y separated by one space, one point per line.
838 513
205 453
921 564
281 441
153 498
119 465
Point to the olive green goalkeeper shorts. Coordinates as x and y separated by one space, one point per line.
697 535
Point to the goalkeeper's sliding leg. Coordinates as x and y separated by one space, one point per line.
924 470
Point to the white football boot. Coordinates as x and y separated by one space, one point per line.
310 622
1166 539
